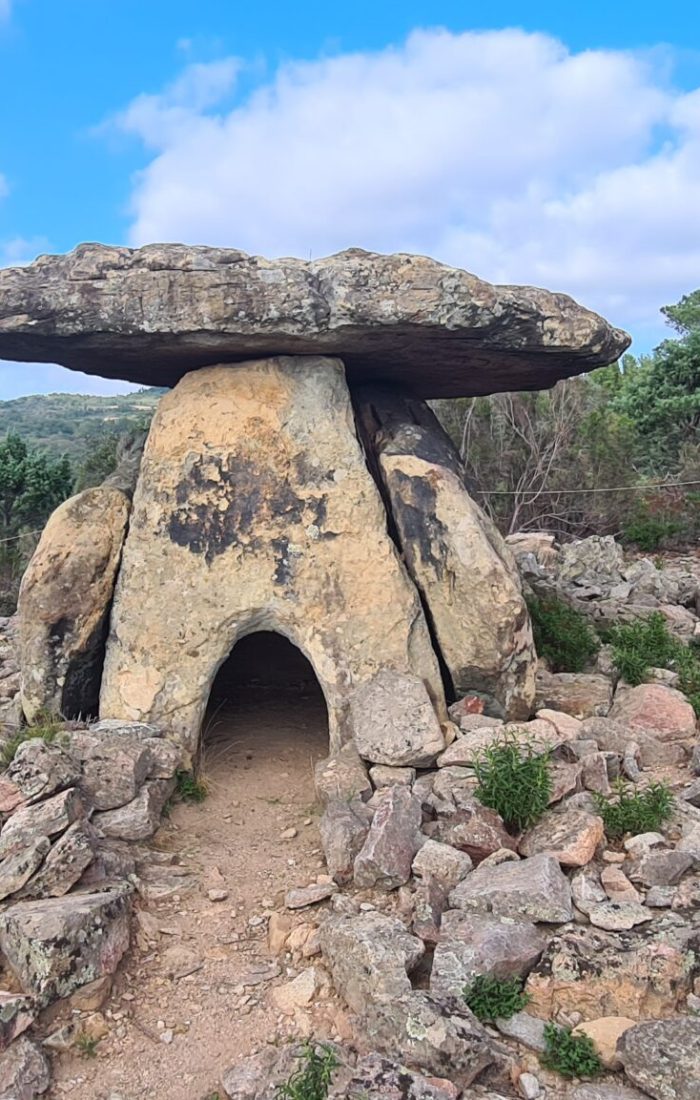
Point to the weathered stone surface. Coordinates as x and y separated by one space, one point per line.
382 775
256 472
532 889
138 819
64 601
473 944
342 777
114 768
571 836
40 769
613 736
385 859
565 724
17 869
343 828
474 829
660 868
619 916
525 1029
69 857
455 554
374 1076
582 695
24 1071
369 956
16 1015
441 863
663 1058
300 897
606 1092
604 1034
150 314
45 819
653 708
617 886
538 735
57 945
586 889
392 720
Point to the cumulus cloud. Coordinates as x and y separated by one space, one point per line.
502 152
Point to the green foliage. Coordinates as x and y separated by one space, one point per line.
634 811
568 1054
189 788
87 1045
495 998
647 531
312 1080
45 726
648 643
562 635
514 779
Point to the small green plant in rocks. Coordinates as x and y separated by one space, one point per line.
568 1054
312 1079
189 788
632 811
45 726
495 998
515 780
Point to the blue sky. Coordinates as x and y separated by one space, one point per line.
546 143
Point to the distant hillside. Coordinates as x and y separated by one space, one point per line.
67 423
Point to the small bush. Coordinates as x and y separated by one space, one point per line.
515 780
311 1081
495 998
633 811
87 1045
45 726
568 1054
189 788
647 531
648 643
562 635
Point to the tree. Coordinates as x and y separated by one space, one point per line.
31 485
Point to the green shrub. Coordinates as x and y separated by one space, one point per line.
46 726
568 1054
87 1045
311 1081
495 998
562 635
189 788
648 531
633 811
515 780
648 643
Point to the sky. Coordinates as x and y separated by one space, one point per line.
551 144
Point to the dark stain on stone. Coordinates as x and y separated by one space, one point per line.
283 565
422 533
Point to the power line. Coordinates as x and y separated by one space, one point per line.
24 535
603 489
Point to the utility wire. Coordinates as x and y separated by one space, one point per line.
602 489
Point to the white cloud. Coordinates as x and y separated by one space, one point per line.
502 152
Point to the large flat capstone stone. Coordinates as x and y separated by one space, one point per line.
152 314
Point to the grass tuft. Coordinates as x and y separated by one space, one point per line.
45 726
633 811
495 998
87 1045
515 780
648 643
562 635
568 1054
189 788
312 1080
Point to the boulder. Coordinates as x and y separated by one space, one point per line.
474 829
64 865
369 956
615 736
392 721
652 708
342 777
571 836
45 819
442 864
17 869
64 602
54 946
114 768
538 735
256 472
579 694
16 1015
533 889
660 868
663 1057
474 944
24 1071
343 828
382 775
148 315
40 769
377 1076
138 819
604 1034
464 570
385 859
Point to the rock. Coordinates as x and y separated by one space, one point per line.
695 760
429 901
299 993
604 1034
454 553
606 1092
342 777
690 842
594 773
40 769
260 1076
661 868
617 886
343 828
91 997
45 819
303 896
374 1076
598 973
571 837
529 1086
55 946
567 727
474 829
539 736
660 897
663 1058
525 1029
138 819
150 314
17 869
64 602
691 794
24 1071
113 768
587 889
614 736
441 863
642 843
618 916
472 944
385 858
653 708
533 889
10 795
369 956
384 776
256 472
16 1015
393 721
566 779
581 695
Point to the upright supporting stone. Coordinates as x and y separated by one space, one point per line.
454 553
255 510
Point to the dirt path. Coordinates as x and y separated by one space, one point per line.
186 1004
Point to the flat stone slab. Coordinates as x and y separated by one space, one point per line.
152 314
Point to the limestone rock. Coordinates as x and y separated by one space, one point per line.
138 819
17 869
369 956
663 1058
533 889
150 314
653 708
342 777
64 601
393 722
605 1033
256 472
455 554
40 769
343 828
45 819
24 1071
473 944
57 945
582 695
571 836
69 857
385 859
441 863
